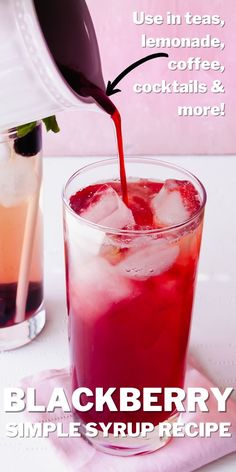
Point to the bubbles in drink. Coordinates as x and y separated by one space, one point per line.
176 202
152 260
105 207
151 204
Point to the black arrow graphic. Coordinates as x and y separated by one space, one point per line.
111 85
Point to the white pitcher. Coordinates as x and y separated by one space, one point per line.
34 35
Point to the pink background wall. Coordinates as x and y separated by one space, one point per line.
151 124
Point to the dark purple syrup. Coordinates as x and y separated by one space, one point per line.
31 144
8 301
85 88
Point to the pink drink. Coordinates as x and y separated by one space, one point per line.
21 268
130 288
12 221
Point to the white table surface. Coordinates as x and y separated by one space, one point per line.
213 339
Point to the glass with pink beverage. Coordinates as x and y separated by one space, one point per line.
22 314
131 273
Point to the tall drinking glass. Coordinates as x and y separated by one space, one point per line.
130 296
22 314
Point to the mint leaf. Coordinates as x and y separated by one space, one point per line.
51 124
23 130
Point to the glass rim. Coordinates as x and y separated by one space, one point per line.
132 232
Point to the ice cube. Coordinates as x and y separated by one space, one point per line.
107 209
17 180
97 287
152 260
174 203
